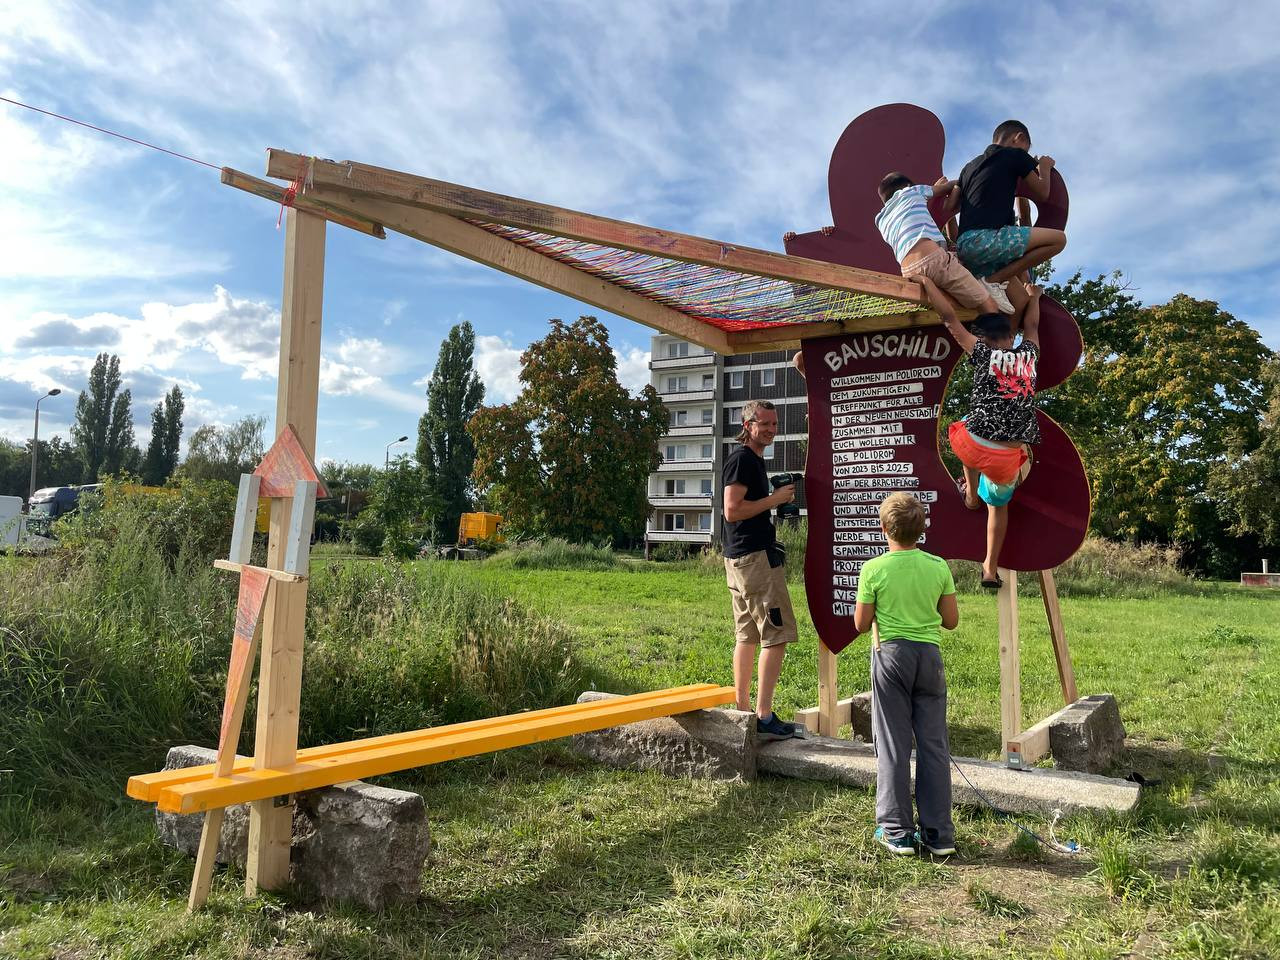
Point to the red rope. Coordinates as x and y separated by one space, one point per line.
111 133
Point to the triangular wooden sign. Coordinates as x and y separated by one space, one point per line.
285 464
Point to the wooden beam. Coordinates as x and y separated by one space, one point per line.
466 202
1010 664
279 575
149 786
842 714
828 692
468 240
1058 637
276 194
280 682
789 336
258 785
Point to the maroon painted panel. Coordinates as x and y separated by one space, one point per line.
874 400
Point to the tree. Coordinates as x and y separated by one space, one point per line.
223 453
571 456
103 428
1160 395
166 438
399 513
1245 483
446 452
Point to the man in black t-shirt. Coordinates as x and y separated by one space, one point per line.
757 581
989 244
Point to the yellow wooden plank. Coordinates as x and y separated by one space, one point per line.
257 785
147 786
828 693
280 575
459 201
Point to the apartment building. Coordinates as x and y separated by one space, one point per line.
704 393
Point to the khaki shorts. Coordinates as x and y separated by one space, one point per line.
945 269
761 604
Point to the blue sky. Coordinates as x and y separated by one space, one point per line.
711 118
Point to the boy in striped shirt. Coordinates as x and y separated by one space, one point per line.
919 246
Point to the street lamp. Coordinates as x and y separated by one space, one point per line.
35 445
386 462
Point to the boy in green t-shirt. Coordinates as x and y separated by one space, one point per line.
908 594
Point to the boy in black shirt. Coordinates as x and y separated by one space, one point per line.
762 612
989 244
992 441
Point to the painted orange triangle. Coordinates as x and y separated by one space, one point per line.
285 464
253 595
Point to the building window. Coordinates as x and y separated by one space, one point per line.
767 378
704 521
735 379
706 486
681 418
735 416
708 381
676 451
708 451
768 452
677 384
707 414
679 349
675 487
673 521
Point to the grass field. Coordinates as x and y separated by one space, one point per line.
540 855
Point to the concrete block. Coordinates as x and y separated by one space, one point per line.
1015 791
1088 735
352 842
705 744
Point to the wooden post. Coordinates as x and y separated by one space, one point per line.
280 682
1010 665
1062 655
828 694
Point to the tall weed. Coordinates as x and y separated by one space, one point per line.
556 554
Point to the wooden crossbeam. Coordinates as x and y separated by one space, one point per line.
280 575
276 193
460 201
148 786
259 784
468 240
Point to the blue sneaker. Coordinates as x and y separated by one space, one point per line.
903 846
774 729
934 847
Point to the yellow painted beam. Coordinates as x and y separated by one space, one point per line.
148 786
261 784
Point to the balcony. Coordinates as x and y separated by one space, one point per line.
691 430
687 396
667 501
677 363
678 536
671 466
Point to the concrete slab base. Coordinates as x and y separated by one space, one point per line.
1015 791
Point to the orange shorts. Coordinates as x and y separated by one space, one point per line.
999 464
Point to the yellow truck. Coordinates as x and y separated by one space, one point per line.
479 526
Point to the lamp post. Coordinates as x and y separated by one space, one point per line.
35 445
386 462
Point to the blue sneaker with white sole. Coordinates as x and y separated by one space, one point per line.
903 846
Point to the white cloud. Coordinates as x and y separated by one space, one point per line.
343 379
498 364
633 368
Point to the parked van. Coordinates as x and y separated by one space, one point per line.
50 503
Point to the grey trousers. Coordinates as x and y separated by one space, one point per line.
909 689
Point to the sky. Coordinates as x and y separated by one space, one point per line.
710 118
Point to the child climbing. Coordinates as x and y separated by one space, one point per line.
992 440
918 244
989 244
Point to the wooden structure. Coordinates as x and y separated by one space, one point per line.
777 301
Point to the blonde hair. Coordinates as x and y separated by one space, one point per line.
749 414
902 516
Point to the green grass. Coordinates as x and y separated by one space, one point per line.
538 854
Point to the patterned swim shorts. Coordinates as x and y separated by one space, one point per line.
986 251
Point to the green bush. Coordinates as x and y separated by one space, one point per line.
556 554
114 651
